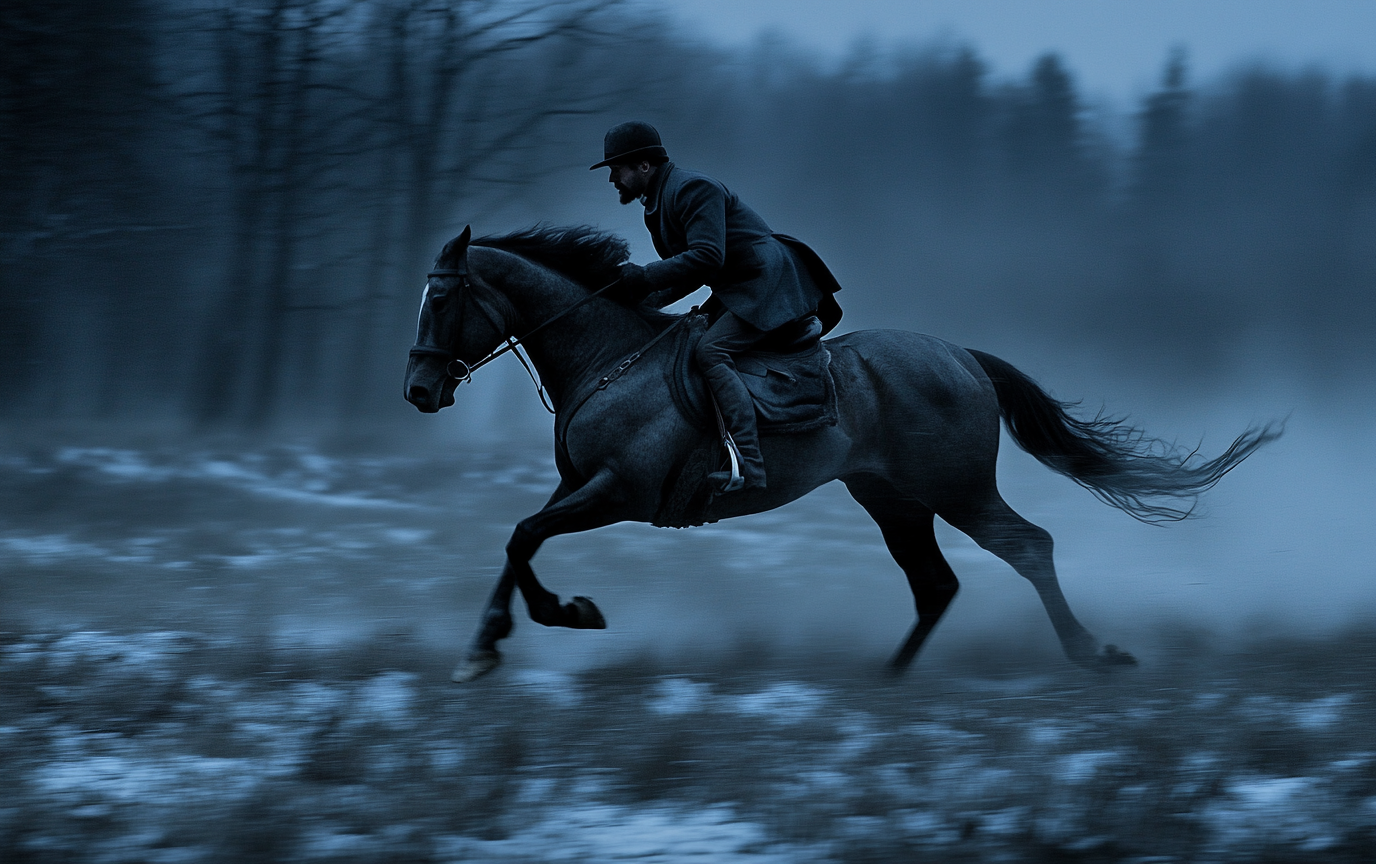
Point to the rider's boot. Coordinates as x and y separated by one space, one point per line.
738 413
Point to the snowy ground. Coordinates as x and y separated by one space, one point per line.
243 655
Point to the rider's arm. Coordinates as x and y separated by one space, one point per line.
701 206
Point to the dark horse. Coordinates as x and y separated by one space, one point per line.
916 436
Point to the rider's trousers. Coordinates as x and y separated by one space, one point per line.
728 336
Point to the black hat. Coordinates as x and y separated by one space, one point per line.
632 142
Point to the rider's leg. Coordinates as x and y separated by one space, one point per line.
728 336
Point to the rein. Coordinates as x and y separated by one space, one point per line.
513 343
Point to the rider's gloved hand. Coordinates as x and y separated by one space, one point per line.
633 286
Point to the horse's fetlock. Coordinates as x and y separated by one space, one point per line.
547 611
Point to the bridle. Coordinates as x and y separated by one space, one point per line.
464 371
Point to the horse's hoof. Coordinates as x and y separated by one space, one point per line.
586 615
1112 657
1109 660
475 665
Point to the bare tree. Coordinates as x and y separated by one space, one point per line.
469 88
279 144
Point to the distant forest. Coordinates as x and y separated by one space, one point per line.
221 211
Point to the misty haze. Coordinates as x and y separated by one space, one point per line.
236 566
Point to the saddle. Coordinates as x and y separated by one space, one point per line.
789 378
788 375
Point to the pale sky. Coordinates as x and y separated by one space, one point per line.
1116 48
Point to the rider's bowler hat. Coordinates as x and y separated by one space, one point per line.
632 142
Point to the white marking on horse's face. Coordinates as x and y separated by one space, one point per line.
424 295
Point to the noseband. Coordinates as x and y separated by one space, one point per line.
464 372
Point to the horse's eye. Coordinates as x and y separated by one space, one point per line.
439 300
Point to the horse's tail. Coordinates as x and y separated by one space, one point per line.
1117 462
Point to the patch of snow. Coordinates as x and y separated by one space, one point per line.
21 653
604 832
124 464
1351 763
44 548
824 779
944 734
1006 822
172 780
1080 767
788 702
1321 713
928 827
407 536
1048 733
387 700
335 842
131 466
1205 701
679 696
143 652
558 687
1270 792
1269 810
445 758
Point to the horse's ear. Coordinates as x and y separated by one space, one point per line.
465 236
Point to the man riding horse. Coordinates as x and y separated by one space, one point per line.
761 281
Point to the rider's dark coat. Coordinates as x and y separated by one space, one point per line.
708 236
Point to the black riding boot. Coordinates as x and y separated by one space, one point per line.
738 412
730 335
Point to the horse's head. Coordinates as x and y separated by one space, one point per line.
455 328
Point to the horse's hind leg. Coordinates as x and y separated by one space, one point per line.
908 532
1028 549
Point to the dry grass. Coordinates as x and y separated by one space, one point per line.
179 747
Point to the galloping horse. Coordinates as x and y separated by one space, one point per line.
916 433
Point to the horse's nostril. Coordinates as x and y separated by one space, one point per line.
417 394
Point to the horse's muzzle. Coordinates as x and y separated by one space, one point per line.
432 396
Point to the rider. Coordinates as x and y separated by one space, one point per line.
760 281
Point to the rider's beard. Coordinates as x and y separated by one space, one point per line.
627 196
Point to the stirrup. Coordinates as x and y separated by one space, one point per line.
733 453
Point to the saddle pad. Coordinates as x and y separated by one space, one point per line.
792 392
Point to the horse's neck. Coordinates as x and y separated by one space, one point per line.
579 347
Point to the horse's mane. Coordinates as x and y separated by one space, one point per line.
590 257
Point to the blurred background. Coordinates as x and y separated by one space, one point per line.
215 220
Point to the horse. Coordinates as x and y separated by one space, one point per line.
916 433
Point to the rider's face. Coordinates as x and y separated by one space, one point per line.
631 180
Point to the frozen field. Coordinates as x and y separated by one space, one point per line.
243 655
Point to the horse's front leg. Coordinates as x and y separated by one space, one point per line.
567 511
